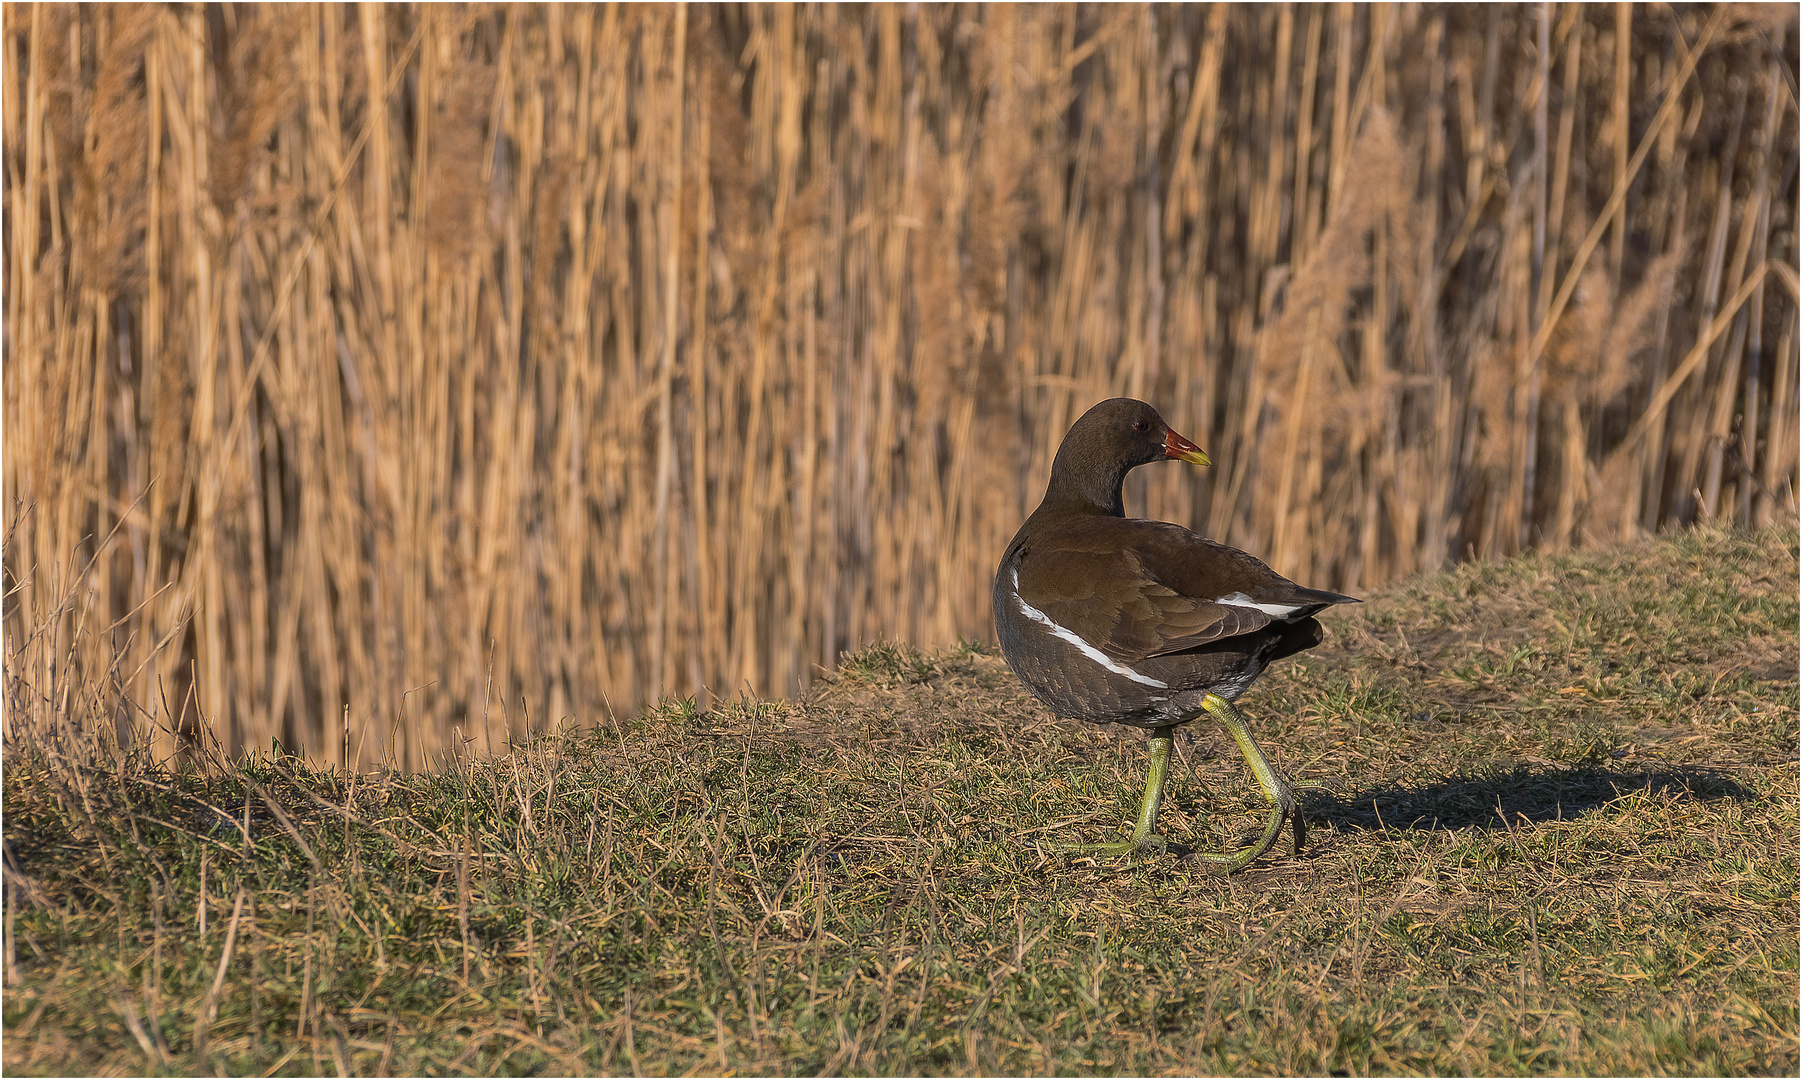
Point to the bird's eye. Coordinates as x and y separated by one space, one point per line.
1141 425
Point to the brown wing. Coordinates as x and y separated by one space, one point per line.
1136 589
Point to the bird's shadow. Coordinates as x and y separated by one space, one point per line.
1495 801
1500 800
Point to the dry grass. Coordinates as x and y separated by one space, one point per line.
375 375
1557 835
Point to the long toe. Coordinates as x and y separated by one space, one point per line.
1230 862
1298 826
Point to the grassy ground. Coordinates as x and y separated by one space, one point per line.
1557 834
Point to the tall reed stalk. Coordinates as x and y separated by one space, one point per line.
382 376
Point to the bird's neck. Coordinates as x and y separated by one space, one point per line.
1082 486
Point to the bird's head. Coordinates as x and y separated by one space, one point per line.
1106 443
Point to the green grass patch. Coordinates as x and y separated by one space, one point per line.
1556 833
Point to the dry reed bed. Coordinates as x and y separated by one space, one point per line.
380 375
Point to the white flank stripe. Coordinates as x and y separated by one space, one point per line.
1275 611
1082 646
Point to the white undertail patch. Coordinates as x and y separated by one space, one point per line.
1275 611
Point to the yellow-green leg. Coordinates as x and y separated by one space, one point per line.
1276 790
1143 839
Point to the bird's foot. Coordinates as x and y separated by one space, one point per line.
1282 809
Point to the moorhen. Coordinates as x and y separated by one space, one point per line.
1120 620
